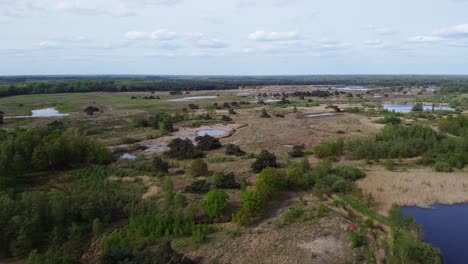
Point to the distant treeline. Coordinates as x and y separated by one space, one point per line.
17 85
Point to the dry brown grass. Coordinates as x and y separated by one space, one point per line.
418 187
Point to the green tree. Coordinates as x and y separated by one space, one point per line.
269 182
216 203
97 227
159 165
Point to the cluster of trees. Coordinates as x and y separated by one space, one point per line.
27 151
399 141
51 225
185 149
162 121
457 126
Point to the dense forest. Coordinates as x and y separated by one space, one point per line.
17 85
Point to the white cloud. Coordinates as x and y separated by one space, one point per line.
261 35
160 34
384 31
453 31
425 39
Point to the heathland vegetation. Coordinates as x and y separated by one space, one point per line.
137 184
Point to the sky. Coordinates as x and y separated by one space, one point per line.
233 37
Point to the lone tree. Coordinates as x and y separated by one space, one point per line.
216 203
297 151
232 149
90 110
264 159
183 149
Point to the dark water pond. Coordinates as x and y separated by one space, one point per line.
445 227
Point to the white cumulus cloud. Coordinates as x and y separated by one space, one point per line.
261 35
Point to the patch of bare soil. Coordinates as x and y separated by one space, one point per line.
150 183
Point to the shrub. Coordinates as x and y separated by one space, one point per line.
269 182
357 240
224 181
264 159
348 172
297 152
253 202
441 166
329 150
159 165
242 217
183 149
264 114
389 164
298 177
207 142
199 187
198 168
216 203
226 118
232 149
418 107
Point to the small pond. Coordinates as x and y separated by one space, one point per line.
128 156
46 112
406 108
354 88
193 98
211 132
321 114
445 228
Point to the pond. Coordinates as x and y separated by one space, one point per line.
193 98
320 114
445 228
406 108
211 132
128 156
46 112
354 88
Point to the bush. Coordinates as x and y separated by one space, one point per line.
183 149
264 114
418 107
253 202
159 165
226 118
207 142
198 168
264 159
357 240
269 182
443 167
297 152
298 177
199 187
224 181
232 149
329 150
216 203
389 164
348 172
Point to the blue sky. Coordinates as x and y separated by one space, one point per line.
239 37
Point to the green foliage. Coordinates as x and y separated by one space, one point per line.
418 107
264 159
390 119
183 149
357 240
161 121
207 142
329 150
232 149
198 168
297 152
97 227
216 203
389 164
224 181
159 165
269 182
339 179
457 126
441 166
253 202
299 176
